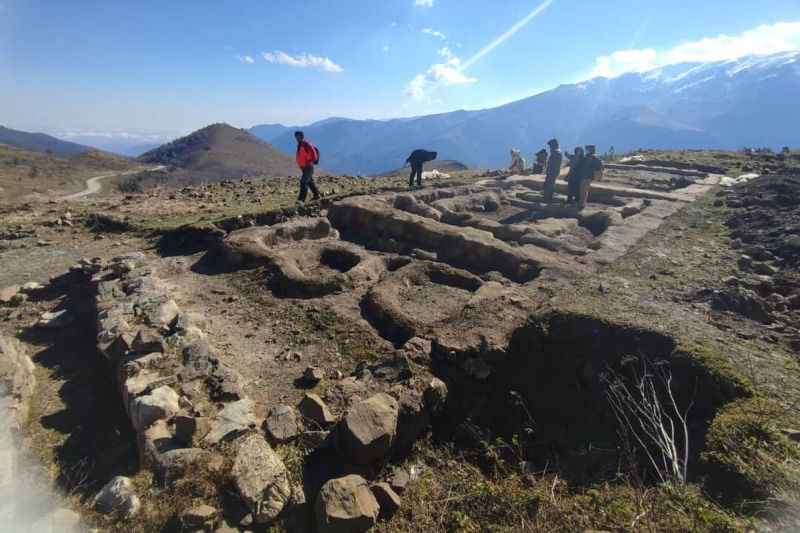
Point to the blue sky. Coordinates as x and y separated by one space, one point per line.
152 69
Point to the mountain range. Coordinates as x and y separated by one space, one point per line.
719 105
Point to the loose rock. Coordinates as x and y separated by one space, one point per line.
281 424
161 404
199 516
56 320
148 342
190 430
313 408
387 498
313 374
369 428
346 505
115 496
261 479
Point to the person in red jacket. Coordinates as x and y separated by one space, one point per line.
307 156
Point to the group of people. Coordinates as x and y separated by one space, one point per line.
584 168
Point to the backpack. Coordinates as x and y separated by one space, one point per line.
316 153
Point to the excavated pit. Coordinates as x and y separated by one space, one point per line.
417 296
558 366
319 269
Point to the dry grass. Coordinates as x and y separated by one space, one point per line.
454 494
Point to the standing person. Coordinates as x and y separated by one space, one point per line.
307 156
593 171
553 169
573 177
416 160
517 161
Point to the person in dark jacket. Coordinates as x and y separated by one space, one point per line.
573 177
307 156
553 170
540 159
416 160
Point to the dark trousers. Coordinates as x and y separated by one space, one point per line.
547 190
415 170
573 190
307 182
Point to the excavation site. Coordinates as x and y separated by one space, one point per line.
435 359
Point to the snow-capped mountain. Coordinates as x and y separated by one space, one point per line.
749 101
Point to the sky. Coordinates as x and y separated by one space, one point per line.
145 71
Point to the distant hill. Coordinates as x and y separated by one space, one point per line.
267 132
748 101
446 166
40 142
221 152
38 174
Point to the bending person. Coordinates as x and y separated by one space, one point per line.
416 160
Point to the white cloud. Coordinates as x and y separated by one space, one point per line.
624 61
302 61
435 33
117 134
447 73
385 47
423 3
245 59
764 39
445 52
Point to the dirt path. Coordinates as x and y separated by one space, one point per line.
93 185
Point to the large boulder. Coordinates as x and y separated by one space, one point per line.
369 428
346 505
261 479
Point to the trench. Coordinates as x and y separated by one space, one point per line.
550 393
